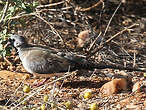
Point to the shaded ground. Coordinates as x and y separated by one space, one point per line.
127 49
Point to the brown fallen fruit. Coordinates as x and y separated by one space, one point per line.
83 37
114 86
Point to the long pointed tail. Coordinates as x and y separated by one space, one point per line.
82 63
91 66
102 66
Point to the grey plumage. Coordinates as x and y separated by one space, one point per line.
37 59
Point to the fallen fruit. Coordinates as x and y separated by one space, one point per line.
53 105
24 102
43 107
45 98
114 86
68 105
93 106
87 95
26 89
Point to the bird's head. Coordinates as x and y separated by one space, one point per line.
18 41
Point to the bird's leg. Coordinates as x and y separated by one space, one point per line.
41 83
37 76
47 76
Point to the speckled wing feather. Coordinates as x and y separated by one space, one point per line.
39 60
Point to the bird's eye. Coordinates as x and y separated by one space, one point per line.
17 43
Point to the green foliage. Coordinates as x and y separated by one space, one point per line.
25 6
3 51
14 8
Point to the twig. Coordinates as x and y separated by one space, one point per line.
20 16
35 14
5 11
110 39
89 8
92 44
53 29
112 18
123 50
62 83
134 60
8 61
84 17
65 8
49 5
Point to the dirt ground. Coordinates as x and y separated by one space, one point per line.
61 31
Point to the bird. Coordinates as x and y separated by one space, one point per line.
45 61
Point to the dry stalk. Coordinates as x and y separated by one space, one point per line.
109 21
112 18
53 29
20 16
93 43
5 11
50 5
89 8
110 39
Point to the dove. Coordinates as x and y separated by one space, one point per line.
45 61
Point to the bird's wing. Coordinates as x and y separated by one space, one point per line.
42 61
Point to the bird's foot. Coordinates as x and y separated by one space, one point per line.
40 83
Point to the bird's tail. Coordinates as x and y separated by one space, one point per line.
79 62
91 66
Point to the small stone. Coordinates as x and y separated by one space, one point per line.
136 87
